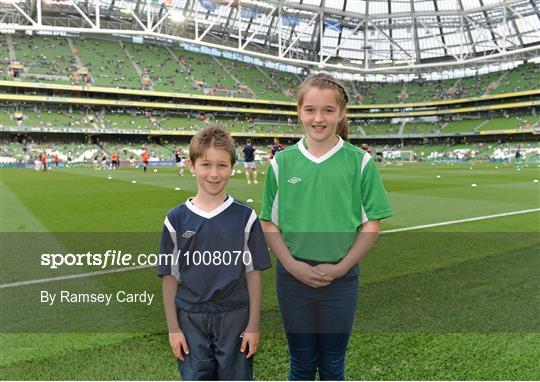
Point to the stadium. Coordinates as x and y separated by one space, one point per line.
445 95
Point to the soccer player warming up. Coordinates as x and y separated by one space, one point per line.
144 159
249 161
323 199
180 161
212 283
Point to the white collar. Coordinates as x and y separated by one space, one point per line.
209 215
322 158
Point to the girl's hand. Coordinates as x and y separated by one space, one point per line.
309 275
251 340
179 345
331 270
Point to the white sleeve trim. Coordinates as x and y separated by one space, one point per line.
275 204
275 209
275 167
364 216
175 271
365 161
247 230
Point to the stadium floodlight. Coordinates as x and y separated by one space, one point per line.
126 11
177 16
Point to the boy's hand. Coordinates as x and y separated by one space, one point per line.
309 275
251 340
179 344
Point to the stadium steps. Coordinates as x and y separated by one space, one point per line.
103 149
361 130
72 48
272 80
497 83
355 91
135 66
11 48
99 121
477 128
171 52
236 80
402 127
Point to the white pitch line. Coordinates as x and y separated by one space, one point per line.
104 272
76 276
461 221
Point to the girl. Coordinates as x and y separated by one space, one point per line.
323 199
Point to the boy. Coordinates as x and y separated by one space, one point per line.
212 281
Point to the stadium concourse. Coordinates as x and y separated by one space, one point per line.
444 95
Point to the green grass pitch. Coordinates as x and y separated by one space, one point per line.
458 301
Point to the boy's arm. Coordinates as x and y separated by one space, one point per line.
303 272
252 335
170 286
254 285
177 339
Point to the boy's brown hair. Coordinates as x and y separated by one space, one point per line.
211 136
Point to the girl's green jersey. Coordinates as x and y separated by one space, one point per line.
320 203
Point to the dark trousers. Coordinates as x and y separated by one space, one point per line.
318 323
214 343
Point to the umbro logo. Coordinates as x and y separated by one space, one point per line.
294 180
188 234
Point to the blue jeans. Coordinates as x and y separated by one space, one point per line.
318 323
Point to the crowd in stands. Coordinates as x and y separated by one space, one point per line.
109 64
126 120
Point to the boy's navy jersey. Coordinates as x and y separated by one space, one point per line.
249 153
211 254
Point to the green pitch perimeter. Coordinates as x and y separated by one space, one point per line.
454 301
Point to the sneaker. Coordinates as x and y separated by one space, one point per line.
249 181
255 181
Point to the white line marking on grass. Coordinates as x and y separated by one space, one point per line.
76 276
461 221
104 272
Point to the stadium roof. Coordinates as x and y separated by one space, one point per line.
363 36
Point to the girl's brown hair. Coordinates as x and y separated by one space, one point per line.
211 136
326 81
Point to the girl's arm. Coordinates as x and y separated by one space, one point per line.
365 239
177 340
251 335
305 273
